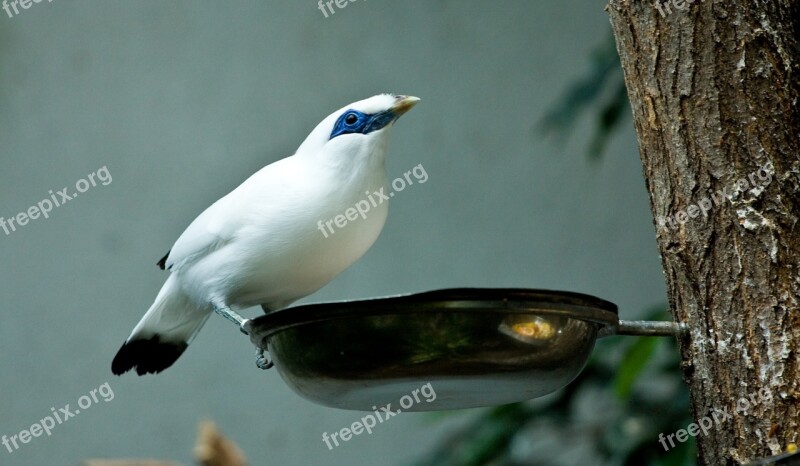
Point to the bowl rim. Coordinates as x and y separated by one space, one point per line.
456 300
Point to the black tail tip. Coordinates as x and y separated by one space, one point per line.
147 356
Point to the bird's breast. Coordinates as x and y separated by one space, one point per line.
280 262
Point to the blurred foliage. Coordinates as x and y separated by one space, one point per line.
602 88
612 414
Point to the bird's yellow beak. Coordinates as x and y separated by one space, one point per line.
404 104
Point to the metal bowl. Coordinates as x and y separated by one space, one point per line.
475 347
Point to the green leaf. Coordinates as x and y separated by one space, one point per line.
633 363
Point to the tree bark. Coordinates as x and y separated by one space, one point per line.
715 89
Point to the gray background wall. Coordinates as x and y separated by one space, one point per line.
183 100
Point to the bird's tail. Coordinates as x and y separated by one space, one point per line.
163 334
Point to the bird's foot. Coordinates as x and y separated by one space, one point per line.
262 361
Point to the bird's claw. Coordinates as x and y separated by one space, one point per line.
262 361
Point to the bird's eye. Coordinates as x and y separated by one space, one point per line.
351 119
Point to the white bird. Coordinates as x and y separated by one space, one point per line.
261 244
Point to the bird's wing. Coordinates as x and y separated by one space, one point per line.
162 264
211 230
217 225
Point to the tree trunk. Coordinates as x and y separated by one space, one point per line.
715 90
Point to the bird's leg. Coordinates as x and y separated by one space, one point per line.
229 314
262 361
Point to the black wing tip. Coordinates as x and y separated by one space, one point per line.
162 264
147 356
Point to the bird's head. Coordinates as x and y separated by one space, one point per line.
357 130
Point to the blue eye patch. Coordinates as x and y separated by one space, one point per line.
355 122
